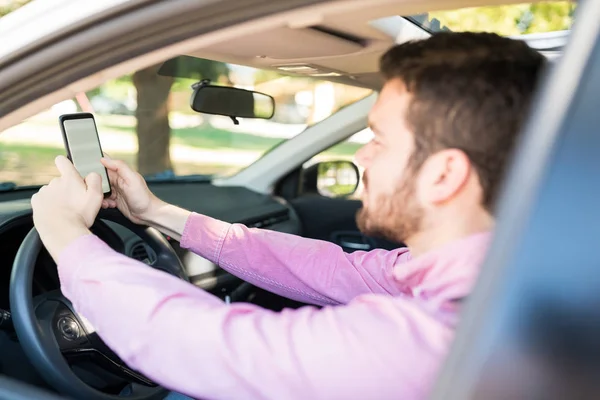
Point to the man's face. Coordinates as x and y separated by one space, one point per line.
391 208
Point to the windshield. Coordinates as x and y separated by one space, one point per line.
145 118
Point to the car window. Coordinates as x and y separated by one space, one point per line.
145 118
506 20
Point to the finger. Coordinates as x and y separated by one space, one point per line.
94 188
104 204
93 181
34 199
66 167
111 203
113 178
118 166
118 169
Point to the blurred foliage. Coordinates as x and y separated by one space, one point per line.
512 19
8 6
341 190
265 75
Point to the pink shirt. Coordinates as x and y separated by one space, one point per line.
385 329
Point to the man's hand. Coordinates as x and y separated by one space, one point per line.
130 194
65 208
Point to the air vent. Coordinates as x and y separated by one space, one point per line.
141 252
269 220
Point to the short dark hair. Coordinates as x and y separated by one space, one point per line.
470 91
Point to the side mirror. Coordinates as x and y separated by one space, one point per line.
332 178
232 102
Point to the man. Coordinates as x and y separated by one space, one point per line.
445 124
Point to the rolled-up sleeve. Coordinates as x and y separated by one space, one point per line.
189 341
307 270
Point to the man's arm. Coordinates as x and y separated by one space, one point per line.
311 271
306 270
189 341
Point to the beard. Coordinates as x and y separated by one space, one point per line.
394 217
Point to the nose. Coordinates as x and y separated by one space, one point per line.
363 155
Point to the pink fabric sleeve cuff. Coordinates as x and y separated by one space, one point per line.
204 236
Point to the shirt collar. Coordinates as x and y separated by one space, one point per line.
445 273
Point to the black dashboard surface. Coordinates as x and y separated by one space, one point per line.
231 204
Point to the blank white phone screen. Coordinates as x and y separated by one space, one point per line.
85 150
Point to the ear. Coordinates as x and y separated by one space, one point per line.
444 175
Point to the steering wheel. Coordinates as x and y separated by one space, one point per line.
52 333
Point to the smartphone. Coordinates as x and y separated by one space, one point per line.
82 143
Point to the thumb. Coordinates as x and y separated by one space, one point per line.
94 186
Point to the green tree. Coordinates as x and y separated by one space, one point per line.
265 75
9 6
513 19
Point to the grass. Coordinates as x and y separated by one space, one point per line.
212 138
15 155
23 151
34 164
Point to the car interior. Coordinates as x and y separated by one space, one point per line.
284 189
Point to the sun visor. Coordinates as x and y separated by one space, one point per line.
285 43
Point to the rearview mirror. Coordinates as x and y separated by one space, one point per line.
232 102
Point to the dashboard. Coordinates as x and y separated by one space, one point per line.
231 204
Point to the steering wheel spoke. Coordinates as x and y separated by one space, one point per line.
77 339
55 337
58 321
109 364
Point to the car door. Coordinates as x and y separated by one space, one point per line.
531 325
325 194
